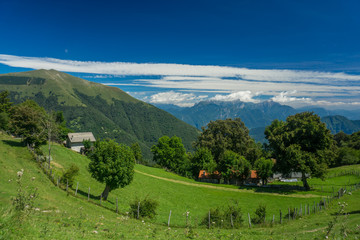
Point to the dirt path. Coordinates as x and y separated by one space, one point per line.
227 189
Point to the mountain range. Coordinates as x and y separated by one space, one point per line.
257 116
106 111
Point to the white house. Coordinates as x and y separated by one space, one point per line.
75 140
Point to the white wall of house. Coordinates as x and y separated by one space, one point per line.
76 146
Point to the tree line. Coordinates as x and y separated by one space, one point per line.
224 148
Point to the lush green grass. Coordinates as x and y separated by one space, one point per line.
72 217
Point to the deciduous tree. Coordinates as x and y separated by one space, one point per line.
112 164
264 168
301 144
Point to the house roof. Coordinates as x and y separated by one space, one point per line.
253 174
79 137
206 174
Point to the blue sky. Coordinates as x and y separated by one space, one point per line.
295 52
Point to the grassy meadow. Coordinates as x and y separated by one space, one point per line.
63 215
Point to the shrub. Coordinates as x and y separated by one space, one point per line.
221 217
69 175
260 214
147 208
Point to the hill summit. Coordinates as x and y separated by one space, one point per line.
107 111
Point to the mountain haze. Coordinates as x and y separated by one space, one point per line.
257 116
87 106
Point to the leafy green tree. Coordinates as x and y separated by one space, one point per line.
229 134
170 153
202 160
68 177
5 106
301 144
27 120
135 148
62 130
112 164
5 103
264 168
233 165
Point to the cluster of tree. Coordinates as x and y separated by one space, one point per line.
348 148
302 144
31 122
224 146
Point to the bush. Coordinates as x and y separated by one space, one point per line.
260 214
221 217
69 175
147 208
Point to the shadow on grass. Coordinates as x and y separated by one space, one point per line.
91 196
354 212
13 143
283 189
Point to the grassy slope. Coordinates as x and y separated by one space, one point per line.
76 218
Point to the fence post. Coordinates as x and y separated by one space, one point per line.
58 180
280 217
231 219
209 219
169 219
117 208
67 184
138 211
289 214
89 194
273 219
249 220
100 198
77 186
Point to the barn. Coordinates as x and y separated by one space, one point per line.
75 140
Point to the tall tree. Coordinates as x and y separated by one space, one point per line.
135 148
233 165
202 160
112 164
170 153
230 134
264 168
301 144
27 120
5 106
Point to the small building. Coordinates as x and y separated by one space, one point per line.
253 178
75 140
205 176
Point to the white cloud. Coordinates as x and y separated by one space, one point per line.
176 98
244 96
240 83
284 97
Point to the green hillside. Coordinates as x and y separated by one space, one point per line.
66 216
106 111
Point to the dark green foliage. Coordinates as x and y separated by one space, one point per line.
260 214
62 130
135 148
147 208
301 144
264 168
5 103
234 166
112 164
347 156
170 153
87 147
28 120
227 216
4 121
5 106
229 134
202 160
68 177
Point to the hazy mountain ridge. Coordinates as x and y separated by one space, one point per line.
106 111
257 116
